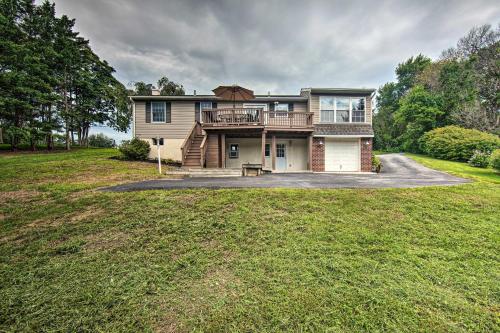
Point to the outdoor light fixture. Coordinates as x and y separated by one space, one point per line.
321 142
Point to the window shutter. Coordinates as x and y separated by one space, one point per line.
148 112
197 111
168 112
271 110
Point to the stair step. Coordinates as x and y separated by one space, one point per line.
214 172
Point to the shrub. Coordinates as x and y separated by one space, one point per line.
135 149
457 143
495 160
172 162
101 141
480 159
376 164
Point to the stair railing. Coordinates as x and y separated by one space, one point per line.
195 130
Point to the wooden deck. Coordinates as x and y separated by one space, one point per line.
256 118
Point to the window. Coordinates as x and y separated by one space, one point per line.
280 150
234 150
281 109
155 142
358 110
158 112
267 150
205 105
326 109
342 109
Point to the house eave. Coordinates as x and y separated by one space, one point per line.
343 136
188 98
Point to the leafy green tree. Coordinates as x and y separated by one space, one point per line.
418 113
408 71
17 84
170 88
51 79
100 140
387 131
464 85
383 121
142 89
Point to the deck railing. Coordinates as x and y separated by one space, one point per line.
233 117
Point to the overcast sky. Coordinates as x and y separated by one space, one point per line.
277 46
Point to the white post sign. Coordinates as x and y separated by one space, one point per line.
159 157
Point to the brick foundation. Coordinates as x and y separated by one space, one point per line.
366 154
318 154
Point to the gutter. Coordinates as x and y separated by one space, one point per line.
343 136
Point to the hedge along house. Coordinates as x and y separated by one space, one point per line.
321 129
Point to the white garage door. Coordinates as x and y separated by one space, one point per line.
342 155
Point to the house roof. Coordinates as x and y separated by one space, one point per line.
265 98
258 98
364 91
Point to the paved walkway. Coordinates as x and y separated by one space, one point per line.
398 171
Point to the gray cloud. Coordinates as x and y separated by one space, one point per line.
279 46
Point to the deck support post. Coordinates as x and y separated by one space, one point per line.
273 153
223 150
263 147
309 152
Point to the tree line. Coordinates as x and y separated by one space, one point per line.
164 86
50 79
460 88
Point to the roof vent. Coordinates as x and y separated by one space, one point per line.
268 93
194 92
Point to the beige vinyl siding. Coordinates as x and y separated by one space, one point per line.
227 105
170 149
251 152
314 107
182 120
299 107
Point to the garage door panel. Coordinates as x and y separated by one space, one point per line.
342 155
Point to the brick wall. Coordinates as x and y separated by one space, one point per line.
366 154
318 154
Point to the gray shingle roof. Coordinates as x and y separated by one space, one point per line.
343 129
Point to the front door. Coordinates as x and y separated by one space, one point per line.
281 156
253 113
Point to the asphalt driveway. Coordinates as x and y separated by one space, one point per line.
399 171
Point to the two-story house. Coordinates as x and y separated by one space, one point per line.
320 129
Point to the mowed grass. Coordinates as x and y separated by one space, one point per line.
259 260
458 168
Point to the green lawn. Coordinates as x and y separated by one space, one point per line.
261 260
459 169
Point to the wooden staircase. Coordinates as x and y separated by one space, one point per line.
193 155
194 148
